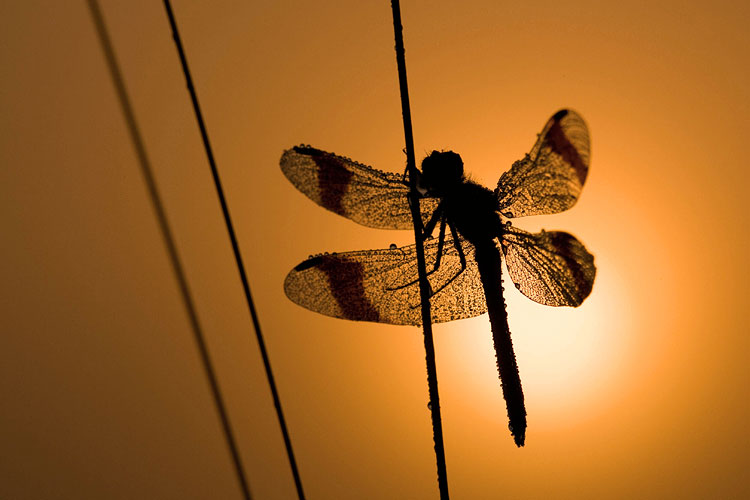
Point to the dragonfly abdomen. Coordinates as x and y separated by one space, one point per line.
489 264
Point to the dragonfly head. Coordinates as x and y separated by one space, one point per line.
442 171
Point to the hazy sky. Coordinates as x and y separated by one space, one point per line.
639 393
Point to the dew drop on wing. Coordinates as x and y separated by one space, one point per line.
507 214
429 405
393 246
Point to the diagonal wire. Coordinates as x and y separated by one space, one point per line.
169 242
424 290
236 250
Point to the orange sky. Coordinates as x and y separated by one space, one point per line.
639 393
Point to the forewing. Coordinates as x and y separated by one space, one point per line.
549 179
551 267
363 194
381 285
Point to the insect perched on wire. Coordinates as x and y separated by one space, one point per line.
464 268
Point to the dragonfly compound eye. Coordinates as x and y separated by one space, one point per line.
442 170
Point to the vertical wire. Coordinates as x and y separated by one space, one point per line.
236 250
424 290
161 217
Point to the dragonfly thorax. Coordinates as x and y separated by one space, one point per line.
442 172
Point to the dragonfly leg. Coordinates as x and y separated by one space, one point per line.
418 180
441 243
438 257
437 215
461 257
459 249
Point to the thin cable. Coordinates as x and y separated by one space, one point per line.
236 250
161 217
424 287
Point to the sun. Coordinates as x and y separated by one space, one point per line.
569 359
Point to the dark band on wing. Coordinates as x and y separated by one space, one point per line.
333 178
344 281
351 298
578 261
561 144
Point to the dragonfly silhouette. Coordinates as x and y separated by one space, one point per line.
464 270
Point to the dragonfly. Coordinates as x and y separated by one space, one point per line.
475 235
